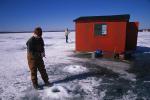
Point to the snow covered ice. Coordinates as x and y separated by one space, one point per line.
56 92
75 77
75 69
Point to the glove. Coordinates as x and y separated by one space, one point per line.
43 54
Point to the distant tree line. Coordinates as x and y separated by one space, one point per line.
144 30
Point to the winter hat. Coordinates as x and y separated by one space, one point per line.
38 31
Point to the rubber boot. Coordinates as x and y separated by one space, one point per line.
47 83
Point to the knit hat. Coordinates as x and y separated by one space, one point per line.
38 31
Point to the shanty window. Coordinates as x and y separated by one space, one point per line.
100 29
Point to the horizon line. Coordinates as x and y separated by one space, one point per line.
33 31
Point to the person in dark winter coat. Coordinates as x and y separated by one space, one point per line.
35 54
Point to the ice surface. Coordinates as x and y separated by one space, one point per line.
74 77
143 39
75 69
60 94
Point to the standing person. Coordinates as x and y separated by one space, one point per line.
35 54
66 34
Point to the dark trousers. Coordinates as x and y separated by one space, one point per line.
66 38
36 64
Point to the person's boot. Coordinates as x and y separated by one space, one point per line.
36 86
47 83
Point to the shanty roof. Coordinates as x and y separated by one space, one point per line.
125 17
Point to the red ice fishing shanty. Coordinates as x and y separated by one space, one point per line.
113 35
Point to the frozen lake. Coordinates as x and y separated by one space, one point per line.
76 78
